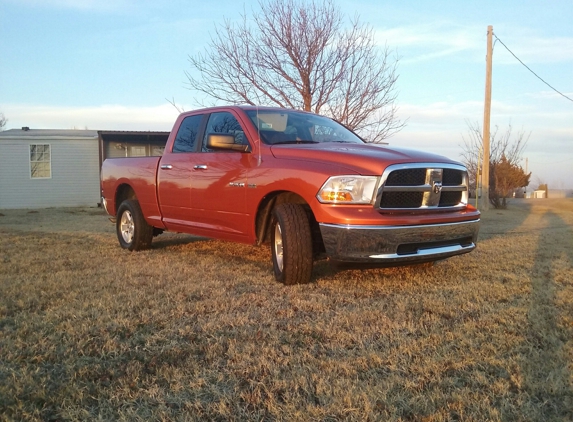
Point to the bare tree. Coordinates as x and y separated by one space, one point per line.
298 54
3 121
506 153
179 108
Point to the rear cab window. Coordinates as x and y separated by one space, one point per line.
186 138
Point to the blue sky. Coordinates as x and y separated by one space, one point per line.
112 64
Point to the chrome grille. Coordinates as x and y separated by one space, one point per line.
409 187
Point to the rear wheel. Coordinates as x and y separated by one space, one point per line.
133 232
291 244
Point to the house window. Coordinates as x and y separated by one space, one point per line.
40 161
138 151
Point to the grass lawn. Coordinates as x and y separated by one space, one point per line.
197 329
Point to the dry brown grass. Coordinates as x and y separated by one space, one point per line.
198 329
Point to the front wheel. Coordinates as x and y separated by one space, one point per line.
133 232
291 244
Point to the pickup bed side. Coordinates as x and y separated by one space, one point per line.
129 178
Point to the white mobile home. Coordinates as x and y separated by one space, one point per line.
49 168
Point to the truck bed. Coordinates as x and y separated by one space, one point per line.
140 174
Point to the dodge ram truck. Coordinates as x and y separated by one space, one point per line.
301 182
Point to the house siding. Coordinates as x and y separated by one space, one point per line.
74 174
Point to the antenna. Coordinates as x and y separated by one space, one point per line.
259 158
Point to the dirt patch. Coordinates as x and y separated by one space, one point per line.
54 220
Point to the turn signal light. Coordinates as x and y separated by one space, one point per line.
333 196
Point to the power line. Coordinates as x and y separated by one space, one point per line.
527 67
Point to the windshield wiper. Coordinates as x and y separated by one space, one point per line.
296 142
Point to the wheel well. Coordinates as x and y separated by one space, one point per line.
265 215
122 193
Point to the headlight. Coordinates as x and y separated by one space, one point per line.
348 190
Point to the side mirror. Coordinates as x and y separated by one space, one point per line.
225 141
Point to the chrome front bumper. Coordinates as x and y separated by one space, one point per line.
394 245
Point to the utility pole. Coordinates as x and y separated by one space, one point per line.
526 167
486 120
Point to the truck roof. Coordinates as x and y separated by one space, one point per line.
243 107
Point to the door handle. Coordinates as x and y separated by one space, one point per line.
166 166
200 167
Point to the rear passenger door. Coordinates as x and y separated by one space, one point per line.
175 174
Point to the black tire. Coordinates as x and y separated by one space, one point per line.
291 244
132 230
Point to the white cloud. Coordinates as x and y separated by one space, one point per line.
531 47
105 117
443 34
431 41
439 39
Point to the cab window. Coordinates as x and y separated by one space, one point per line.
186 138
224 122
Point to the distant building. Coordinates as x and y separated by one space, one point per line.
560 193
550 193
41 168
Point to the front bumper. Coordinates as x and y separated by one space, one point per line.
395 245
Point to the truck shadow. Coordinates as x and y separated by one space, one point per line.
175 239
225 251
547 376
499 222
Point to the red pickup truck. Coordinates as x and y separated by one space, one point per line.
299 181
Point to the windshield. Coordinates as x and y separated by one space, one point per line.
286 126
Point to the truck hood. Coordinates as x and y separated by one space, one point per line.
366 159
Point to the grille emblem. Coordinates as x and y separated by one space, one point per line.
434 183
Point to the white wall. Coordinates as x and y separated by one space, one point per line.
75 174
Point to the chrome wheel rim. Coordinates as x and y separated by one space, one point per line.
279 247
127 227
